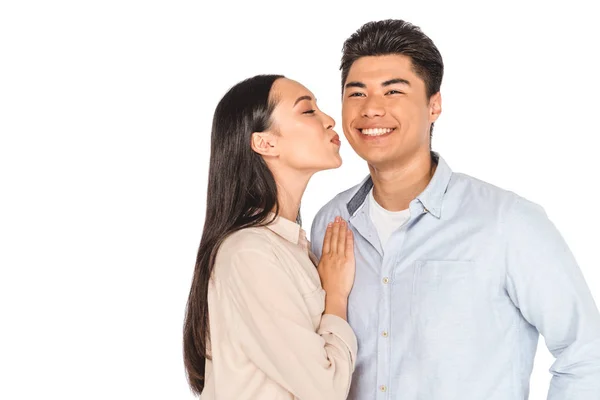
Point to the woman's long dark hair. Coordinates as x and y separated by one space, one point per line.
241 193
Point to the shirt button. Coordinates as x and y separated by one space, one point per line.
382 388
384 334
386 280
425 210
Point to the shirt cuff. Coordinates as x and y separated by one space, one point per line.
339 327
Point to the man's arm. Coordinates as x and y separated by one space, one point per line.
545 283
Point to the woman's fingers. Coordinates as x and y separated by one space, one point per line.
341 247
349 244
335 235
327 238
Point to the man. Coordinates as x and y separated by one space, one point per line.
455 278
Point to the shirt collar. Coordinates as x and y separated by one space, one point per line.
433 195
431 198
290 231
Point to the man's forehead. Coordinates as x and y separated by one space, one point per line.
378 72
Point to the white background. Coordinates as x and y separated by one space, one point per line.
105 116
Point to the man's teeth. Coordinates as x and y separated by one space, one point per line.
376 131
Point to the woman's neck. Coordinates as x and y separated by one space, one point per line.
290 189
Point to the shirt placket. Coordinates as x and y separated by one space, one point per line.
384 340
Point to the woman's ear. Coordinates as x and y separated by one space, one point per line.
265 144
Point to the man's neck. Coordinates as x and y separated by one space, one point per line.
395 186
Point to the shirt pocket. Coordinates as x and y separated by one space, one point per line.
315 303
446 302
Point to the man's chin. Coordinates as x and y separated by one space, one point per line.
378 158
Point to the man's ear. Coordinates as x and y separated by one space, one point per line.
435 107
264 143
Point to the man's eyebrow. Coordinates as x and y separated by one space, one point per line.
395 81
389 82
355 84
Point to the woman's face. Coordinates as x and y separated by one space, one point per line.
303 134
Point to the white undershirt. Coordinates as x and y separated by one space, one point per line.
386 222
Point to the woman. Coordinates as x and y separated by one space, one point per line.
262 322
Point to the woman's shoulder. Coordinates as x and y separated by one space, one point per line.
246 246
256 256
247 239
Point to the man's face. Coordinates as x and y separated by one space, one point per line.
386 114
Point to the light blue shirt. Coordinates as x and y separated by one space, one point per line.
453 308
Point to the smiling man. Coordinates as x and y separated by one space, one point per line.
455 278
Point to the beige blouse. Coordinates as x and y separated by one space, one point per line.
269 339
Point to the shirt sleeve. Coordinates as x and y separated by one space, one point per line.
317 234
546 284
277 332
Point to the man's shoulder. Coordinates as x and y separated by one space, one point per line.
339 204
482 190
487 195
